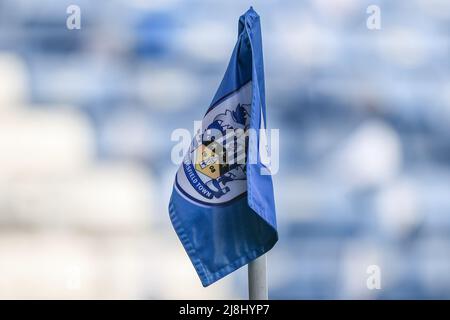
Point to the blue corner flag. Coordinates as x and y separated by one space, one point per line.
223 210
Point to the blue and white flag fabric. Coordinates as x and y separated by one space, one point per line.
222 205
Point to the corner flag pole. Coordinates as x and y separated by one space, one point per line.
257 279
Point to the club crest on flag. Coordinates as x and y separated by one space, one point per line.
214 170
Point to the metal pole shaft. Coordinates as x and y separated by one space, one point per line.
257 279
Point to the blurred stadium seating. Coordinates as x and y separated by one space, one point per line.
85 123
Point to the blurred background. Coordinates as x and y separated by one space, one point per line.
85 123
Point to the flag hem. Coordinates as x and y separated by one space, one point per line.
206 277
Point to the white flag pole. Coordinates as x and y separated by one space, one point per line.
257 279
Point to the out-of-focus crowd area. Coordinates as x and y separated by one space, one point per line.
86 118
